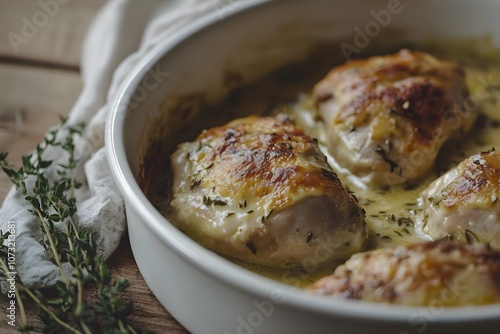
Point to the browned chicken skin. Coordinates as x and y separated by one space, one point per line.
259 189
434 273
463 203
387 117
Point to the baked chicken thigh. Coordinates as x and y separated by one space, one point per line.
463 203
455 274
386 117
259 189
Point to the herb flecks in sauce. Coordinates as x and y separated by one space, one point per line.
393 216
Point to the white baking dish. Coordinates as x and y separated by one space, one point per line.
203 291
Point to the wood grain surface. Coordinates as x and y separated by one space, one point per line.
39 81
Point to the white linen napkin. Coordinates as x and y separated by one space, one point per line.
121 34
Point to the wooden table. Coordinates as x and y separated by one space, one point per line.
39 81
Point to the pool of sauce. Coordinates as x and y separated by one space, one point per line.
393 216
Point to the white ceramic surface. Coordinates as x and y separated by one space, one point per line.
204 292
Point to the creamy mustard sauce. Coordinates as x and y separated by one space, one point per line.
393 216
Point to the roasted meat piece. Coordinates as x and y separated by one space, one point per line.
387 117
463 204
259 189
443 272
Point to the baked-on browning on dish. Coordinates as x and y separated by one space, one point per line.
463 204
440 273
259 189
386 117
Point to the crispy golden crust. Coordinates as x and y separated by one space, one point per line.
414 87
259 189
463 203
433 273
263 157
390 109
478 182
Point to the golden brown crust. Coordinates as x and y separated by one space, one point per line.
417 89
264 156
387 112
415 107
259 189
478 182
463 203
451 274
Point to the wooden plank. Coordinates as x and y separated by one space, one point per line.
46 31
148 314
33 93
31 101
36 93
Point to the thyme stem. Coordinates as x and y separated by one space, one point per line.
46 309
55 254
53 203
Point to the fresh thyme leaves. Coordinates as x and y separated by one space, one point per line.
64 308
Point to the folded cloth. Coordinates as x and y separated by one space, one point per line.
121 34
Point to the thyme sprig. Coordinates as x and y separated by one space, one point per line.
53 202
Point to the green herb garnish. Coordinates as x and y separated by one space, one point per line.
63 308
